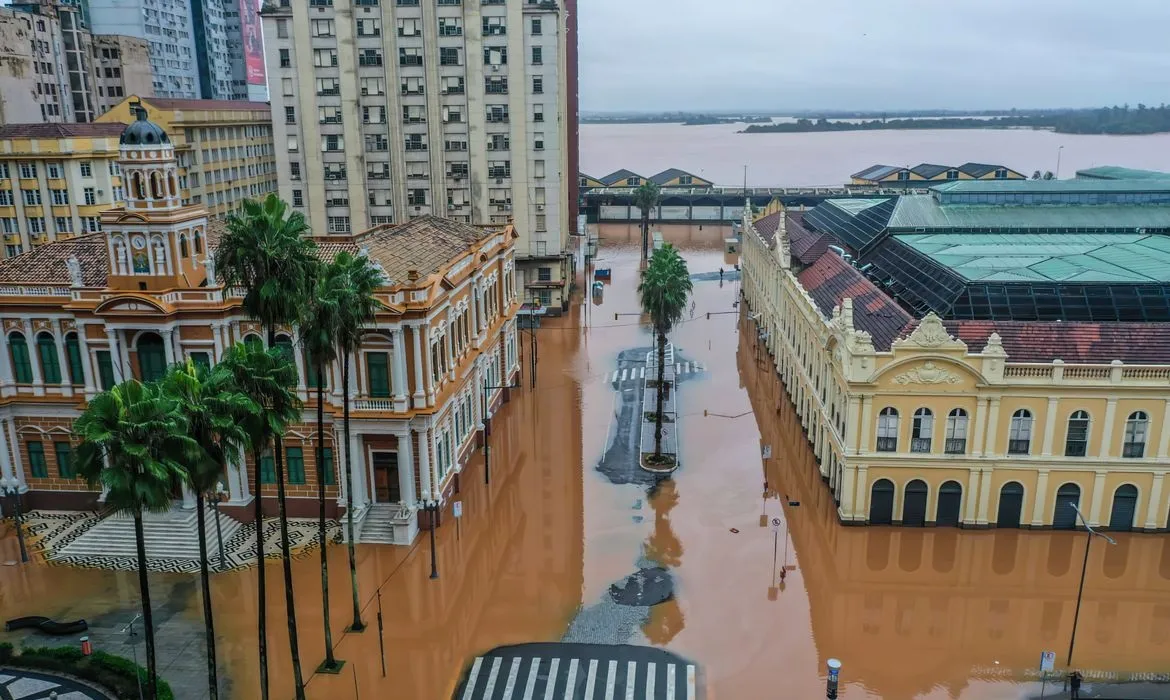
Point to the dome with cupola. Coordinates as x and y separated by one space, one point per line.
143 132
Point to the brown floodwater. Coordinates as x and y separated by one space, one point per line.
935 613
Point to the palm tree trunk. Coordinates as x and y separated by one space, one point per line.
285 552
261 589
147 613
357 625
330 662
661 391
645 234
205 582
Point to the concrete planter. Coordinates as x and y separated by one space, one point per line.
669 425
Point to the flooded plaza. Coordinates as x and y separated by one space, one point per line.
912 613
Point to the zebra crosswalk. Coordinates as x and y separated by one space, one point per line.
595 673
638 373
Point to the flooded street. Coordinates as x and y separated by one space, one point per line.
912 613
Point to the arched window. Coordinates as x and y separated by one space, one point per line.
1064 513
1020 437
21 364
198 242
73 354
156 187
285 346
1136 428
956 432
1076 442
1125 500
914 503
137 185
921 430
183 247
253 341
172 188
881 502
50 365
152 362
887 430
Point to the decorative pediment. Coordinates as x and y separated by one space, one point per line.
131 304
932 334
127 217
927 373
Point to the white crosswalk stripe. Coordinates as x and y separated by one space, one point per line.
546 677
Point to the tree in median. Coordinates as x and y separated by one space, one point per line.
665 288
646 197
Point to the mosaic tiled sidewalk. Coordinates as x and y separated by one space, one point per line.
18 684
49 531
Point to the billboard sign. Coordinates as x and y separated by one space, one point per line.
253 43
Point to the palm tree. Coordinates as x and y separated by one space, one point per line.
665 287
318 336
265 251
134 444
646 198
268 378
357 281
215 415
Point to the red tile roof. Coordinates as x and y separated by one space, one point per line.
806 245
61 131
1071 341
830 279
46 264
178 103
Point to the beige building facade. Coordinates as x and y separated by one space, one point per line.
917 421
385 112
121 67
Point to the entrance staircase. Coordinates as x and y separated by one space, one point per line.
385 523
170 535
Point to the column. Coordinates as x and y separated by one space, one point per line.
169 344
115 356
969 509
17 465
178 340
216 329
123 341
985 496
420 398
398 377
339 460
1163 436
188 498
302 370
62 360
989 445
86 362
5 463
866 423
1154 507
34 359
450 344
1107 428
357 474
847 486
1098 498
1049 426
6 373
852 422
237 478
406 466
1039 497
424 463
861 508
975 437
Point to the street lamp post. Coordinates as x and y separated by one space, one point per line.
1081 589
13 487
487 430
432 509
219 496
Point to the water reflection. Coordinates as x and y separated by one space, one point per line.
962 604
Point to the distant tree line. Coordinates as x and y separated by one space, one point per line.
1105 120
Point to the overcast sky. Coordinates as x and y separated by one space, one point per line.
861 54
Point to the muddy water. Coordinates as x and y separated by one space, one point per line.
912 613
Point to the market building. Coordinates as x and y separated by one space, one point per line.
82 314
981 356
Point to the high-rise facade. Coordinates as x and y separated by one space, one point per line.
121 67
384 110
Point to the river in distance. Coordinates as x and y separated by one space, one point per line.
718 153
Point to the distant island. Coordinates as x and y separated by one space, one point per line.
1123 120
684 118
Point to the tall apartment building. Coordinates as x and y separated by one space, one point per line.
224 147
121 67
34 80
385 110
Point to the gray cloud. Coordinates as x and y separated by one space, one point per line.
855 54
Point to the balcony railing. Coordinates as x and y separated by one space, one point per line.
920 444
1134 450
1019 447
887 444
956 446
1076 448
373 404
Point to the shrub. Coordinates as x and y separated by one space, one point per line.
114 673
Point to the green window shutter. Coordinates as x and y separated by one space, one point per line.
73 352
267 469
50 367
284 345
378 373
253 341
21 366
152 359
327 467
105 369
64 460
202 359
295 457
311 369
36 459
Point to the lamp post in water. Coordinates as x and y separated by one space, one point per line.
14 488
1081 589
832 679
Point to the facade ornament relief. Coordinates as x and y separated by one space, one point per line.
930 333
928 373
74 266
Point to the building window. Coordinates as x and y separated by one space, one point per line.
64 453
90 196
952 174
28 170
1001 174
36 459
21 364
1076 442
538 113
449 26
448 56
298 198
536 27
887 430
54 170
537 56
6 197
32 198
378 374
1020 437
86 169
47 351
338 224
294 170
956 432
60 197
285 59
73 353
495 55
416 197
295 460
1136 428
105 365
267 469
921 430
282 29
544 274
537 85
290 115
327 466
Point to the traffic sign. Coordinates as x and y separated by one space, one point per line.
776 524
767 452
1047 661
457 509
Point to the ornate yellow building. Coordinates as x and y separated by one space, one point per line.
79 315
916 420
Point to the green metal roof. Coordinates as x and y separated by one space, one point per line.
923 211
1048 257
1050 186
857 205
1114 172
